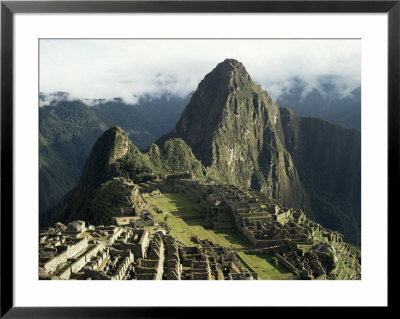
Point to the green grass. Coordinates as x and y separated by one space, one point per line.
185 220
176 204
263 266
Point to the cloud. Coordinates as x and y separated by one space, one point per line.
96 69
55 97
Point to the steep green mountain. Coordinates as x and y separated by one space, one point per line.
69 128
328 160
326 101
234 128
114 155
243 138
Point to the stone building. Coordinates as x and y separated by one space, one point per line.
153 265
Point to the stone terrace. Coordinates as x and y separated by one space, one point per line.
270 227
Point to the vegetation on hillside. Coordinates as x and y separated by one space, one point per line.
69 129
114 155
173 156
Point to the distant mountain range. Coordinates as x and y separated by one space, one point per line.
230 131
327 100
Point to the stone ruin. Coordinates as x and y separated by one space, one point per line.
125 198
76 252
308 250
272 228
145 219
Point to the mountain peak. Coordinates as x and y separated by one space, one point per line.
230 67
228 75
112 145
232 63
234 128
115 129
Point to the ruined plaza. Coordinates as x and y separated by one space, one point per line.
125 253
216 234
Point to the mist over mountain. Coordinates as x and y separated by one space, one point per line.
128 68
328 98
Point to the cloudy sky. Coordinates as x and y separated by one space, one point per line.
95 69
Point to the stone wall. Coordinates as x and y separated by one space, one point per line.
269 243
140 249
240 276
160 268
81 262
289 265
65 275
249 235
123 267
142 222
95 275
115 236
70 252
200 276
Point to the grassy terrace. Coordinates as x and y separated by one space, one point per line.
185 220
263 266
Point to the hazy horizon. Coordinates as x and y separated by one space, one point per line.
130 68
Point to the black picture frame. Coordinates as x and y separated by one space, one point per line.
9 8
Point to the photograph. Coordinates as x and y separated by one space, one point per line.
199 159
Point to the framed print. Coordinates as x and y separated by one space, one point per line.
217 154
